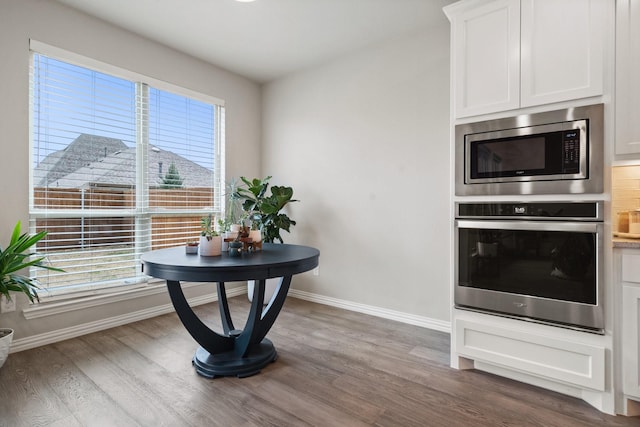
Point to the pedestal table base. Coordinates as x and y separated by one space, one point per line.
228 364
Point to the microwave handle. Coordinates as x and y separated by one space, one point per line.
579 227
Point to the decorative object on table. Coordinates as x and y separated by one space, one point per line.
225 238
225 232
13 259
235 249
230 236
191 247
210 240
265 213
246 235
265 210
256 239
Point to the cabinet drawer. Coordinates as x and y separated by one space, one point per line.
631 268
552 358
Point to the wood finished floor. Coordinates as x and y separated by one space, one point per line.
335 368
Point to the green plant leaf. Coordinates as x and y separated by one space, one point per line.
15 258
265 211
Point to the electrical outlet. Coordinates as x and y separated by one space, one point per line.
316 271
6 306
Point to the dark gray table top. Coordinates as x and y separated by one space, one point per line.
274 260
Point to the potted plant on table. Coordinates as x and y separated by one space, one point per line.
14 258
264 209
210 240
230 224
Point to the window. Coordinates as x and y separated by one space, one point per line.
119 167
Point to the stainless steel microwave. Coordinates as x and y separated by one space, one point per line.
555 152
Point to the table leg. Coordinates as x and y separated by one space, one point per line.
238 353
225 314
206 337
259 322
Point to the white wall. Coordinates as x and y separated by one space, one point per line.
57 25
364 141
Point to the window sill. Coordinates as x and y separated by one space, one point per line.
44 309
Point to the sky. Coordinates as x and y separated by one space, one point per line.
69 100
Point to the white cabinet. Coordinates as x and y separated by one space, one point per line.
567 361
630 324
556 358
562 53
486 58
508 54
627 81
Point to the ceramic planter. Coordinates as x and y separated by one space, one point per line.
6 336
255 235
211 246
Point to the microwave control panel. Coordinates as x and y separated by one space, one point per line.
571 151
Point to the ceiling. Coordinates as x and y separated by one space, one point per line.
266 39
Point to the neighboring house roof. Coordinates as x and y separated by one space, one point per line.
92 160
84 150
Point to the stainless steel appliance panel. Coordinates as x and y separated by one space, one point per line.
588 180
544 271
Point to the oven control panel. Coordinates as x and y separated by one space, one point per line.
579 211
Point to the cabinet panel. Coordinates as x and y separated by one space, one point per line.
510 54
631 268
631 340
560 360
627 72
561 50
486 56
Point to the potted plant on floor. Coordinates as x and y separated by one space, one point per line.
264 209
14 258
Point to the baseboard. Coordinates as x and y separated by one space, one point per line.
34 341
411 319
38 340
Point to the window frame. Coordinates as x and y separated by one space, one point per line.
141 212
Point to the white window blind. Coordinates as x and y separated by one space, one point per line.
118 168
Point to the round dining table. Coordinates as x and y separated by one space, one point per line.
231 352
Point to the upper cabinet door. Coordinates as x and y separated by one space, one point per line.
486 58
562 56
628 77
510 54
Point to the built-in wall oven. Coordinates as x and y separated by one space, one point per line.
538 261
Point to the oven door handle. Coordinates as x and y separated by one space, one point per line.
580 227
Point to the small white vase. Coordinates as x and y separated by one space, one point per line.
255 235
6 336
210 246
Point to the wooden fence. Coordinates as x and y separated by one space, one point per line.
91 232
